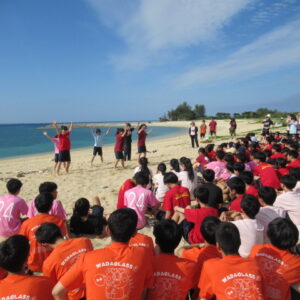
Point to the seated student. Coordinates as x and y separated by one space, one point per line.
188 176
140 199
176 195
191 219
143 167
230 169
231 277
289 199
82 222
242 157
38 253
248 179
296 173
276 152
142 240
12 209
251 232
279 266
265 172
219 166
63 256
158 181
114 272
238 168
211 154
57 207
174 166
237 190
281 168
127 185
293 159
268 212
201 161
173 276
17 285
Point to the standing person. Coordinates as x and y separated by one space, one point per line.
293 125
98 143
56 143
64 146
128 141
203 128
142 134
213 128
267 124
232 128
119 147
193 132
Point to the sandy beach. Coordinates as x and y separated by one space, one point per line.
101 179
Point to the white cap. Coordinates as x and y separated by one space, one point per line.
268 116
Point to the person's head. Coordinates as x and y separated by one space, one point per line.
167 235
122 224
229 167
81 208
48 233
259 157
288 182
292 155
143 126
283 233
228 158
141 179
201 194
192 123
203 121
209 147
267 195
98 131
208 229
250 206
296 173
228 238
213 118
280 163
208 175
170 178
238 167
241 157
276 148
43 202
127 125
247 177
188 167
162 168
174 163
13 253
14 186
202 151
236 186
48 187
120 131
220 155
63 129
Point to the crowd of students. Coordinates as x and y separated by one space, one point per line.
237 206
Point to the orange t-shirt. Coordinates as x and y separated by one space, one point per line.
115 272
200 255
279 268
173 277
38 253
62 258
231 277
142 240
16 286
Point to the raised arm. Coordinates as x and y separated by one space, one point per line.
71 127
45 133
107 131
149 131
54 123
137 126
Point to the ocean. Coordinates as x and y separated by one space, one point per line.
26 139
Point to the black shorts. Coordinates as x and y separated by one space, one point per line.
64 156
142 149
202 134
119 155
186 227
56 156
212 133
97 150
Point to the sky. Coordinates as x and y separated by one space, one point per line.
111 60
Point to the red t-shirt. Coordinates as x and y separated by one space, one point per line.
282 172
176 196
252 190
142 138
212 125
64 141
119 145
202 160
212 155
127 185
277 155
236 203
268 175
196 216
3 273
293 164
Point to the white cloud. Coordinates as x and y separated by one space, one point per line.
274 50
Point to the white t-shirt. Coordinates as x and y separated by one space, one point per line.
183 177
297 187
98 140
158 181
193 130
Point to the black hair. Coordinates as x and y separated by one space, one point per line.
228 238
220 154
142 126
280 162
229 158
208 229
47 187
229 167
296 173
267 194
250 206
162 168
293 153
174 163
48 233
209 175
242 157
288 181
209 147
238 166
13 253
202 150
122 224
237 184
63 127
170 177
261 156
267 152
247 177
43 202
120 130
283 233
143 161
98 130
202 194
82 206
277 147
188 167
141 178
13 186
167 235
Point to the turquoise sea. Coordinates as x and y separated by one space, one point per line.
27 139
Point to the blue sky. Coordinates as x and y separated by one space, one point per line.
101 60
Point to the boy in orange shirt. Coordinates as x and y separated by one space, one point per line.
115 272
38 253
279 266
17 285
142 240
231 277
63 256
173 276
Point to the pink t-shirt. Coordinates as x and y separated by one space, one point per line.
56 210
139 199
11 209
56 143
219 168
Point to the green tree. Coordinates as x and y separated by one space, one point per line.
181 112
199 111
